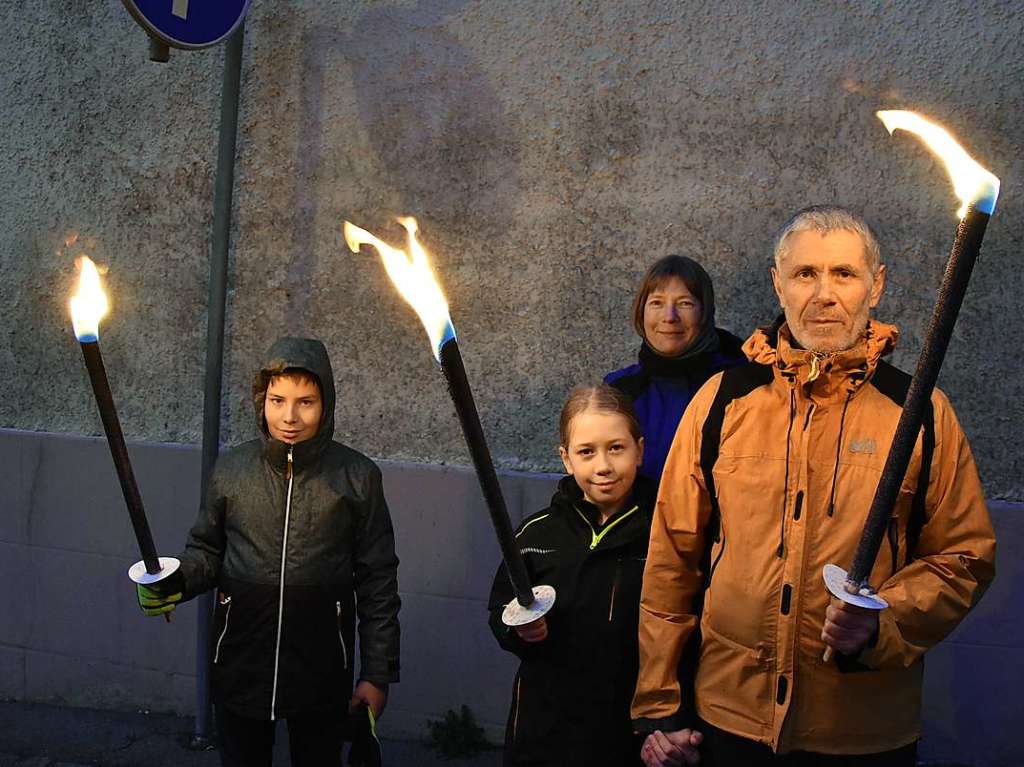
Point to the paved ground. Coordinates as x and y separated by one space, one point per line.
36 735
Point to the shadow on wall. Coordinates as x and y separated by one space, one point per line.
432 118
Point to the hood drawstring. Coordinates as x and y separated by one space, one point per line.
839 451
785 485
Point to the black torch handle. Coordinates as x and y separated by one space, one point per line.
465 407
966 247
119 452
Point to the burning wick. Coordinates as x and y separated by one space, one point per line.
88 307
413 277
977 189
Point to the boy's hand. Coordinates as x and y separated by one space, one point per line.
369 694
672 749
161 597
535 631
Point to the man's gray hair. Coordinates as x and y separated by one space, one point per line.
825 219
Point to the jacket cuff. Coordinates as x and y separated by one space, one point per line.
873 655
379 671
680 720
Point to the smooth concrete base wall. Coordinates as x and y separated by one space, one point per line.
71 632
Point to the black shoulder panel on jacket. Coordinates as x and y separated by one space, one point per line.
894 384
736 382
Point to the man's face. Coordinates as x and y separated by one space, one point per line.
826 288
293 408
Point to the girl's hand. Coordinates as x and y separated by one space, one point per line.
537 631
672 749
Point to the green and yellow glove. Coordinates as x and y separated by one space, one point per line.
160 598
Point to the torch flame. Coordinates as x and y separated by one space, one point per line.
89 305
411 274
971 182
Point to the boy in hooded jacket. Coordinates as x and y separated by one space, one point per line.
295 535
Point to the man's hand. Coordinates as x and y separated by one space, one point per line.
672 749
369 694
161 597
535 631
848 629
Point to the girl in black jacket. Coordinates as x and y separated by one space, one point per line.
571 697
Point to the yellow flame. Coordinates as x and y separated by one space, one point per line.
89 305
971 182
412 275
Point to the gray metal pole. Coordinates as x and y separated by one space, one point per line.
220 242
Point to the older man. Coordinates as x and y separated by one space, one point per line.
769 478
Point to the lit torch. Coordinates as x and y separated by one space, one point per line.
412 276
977 189
88 306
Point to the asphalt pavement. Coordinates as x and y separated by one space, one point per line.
41 735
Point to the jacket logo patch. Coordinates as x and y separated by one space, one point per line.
865 446
532 550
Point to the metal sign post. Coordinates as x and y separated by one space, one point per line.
186 24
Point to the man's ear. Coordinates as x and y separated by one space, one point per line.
878 287
640 453
777 285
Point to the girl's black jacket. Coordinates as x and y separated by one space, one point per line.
297 541
571 697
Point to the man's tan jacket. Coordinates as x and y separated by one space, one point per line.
798 463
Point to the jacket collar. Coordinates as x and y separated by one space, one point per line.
569 499
824 375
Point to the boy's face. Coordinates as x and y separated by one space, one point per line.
293 408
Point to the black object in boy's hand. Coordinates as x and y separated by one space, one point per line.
365 751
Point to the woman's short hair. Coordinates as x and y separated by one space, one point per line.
601 398
689 271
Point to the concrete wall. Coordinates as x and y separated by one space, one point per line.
551 150
71 632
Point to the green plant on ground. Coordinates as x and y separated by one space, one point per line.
457 735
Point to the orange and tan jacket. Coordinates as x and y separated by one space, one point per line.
798 463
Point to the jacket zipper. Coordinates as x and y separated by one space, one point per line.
344 650
615 586
595 538
227 615
280 594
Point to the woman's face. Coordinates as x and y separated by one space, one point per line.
672 316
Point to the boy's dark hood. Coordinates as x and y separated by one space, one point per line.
306 354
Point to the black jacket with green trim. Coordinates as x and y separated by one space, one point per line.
570 699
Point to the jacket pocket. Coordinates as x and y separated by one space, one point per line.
341 637
225 602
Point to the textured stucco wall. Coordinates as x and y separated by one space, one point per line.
551 151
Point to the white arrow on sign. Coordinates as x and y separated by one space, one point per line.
180 9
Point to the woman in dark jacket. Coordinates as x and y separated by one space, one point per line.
571 697
674 315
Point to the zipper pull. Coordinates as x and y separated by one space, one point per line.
815 371
288 473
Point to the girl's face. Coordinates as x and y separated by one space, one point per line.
602 456
672 317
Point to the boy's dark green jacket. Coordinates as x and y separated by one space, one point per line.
295 558
570 699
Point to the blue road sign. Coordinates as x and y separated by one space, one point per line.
188 23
